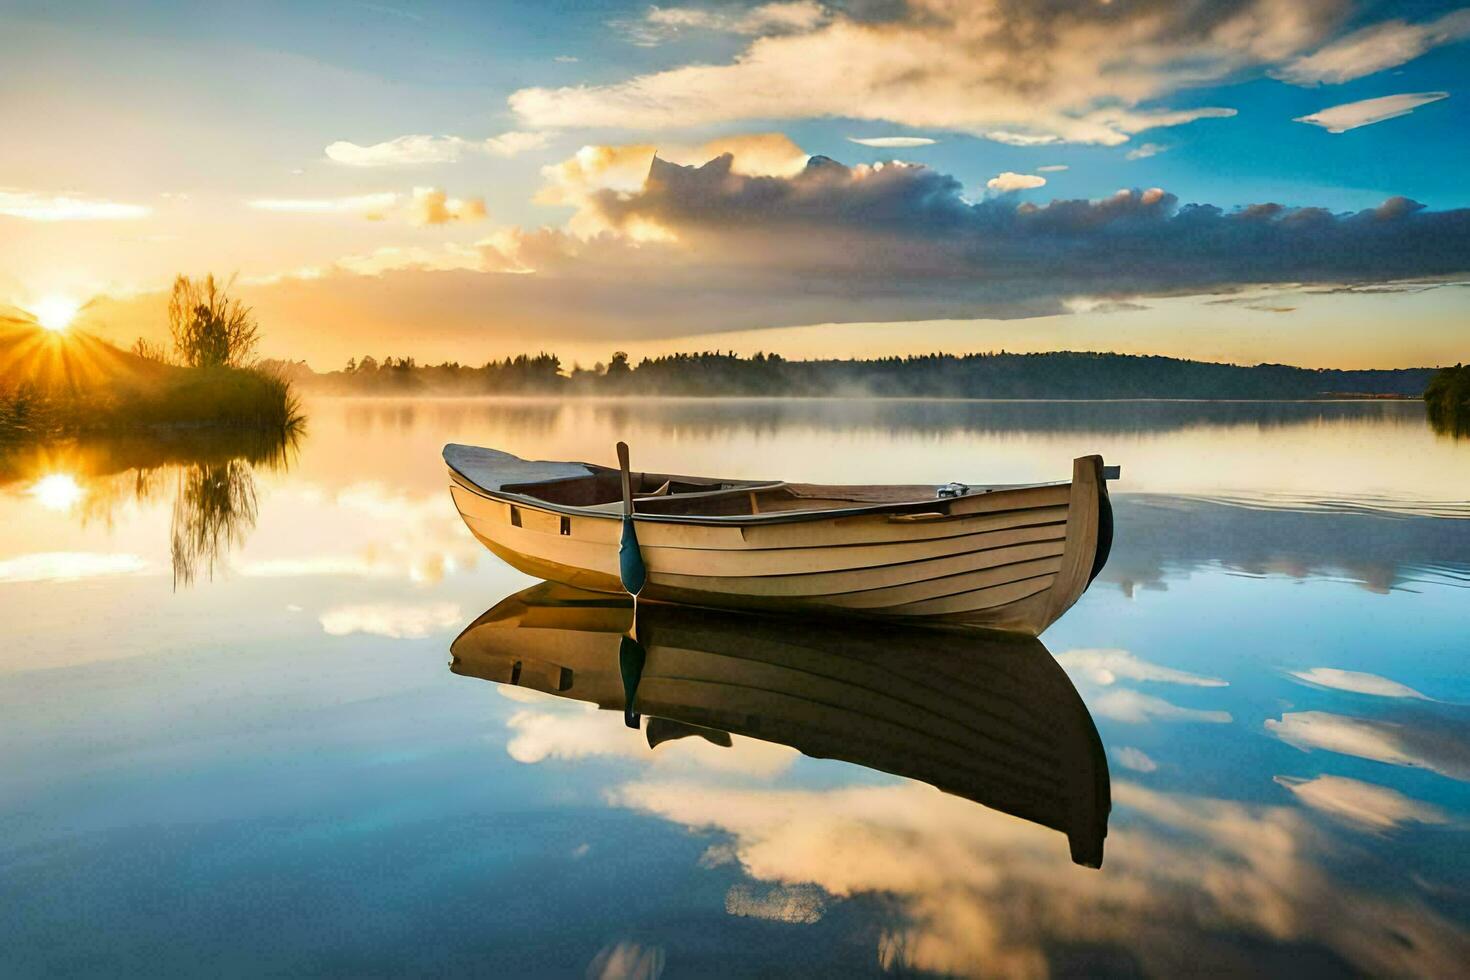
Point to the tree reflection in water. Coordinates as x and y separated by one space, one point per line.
215 499
215 504
214 509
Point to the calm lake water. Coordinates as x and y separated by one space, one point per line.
231 741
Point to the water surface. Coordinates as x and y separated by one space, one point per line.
231 739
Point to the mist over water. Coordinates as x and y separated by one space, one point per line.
272 768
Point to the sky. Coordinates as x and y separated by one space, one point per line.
1243 180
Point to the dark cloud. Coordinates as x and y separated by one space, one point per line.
704 249
883 225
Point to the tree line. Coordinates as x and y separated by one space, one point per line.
1061 374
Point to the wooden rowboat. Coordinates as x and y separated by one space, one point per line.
1007 557
986 716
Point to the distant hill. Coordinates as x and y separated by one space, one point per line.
1057 375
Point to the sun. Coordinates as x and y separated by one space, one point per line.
55 312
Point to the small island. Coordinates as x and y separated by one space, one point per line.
59 382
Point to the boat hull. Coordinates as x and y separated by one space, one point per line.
1013 558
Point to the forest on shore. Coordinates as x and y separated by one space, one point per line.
1060 374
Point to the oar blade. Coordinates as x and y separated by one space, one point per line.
630 560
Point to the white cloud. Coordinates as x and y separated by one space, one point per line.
1135 759
1351 115
1021 74
419 150
1144 151
401 621
513 143
627 961
1136 708
1107 666
1382 741
1052 168
625 168
1374 48
424 206
1187 880
660 24
1009 181
565 730
433 206
403 151
417 542
444 258
1357 682
67 566
1364 804
892 142
315 565
1025 139
39 206
368 205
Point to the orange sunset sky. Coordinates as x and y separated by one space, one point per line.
1251 181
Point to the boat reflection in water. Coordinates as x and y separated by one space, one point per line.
986 716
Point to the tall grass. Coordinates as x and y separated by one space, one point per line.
222 397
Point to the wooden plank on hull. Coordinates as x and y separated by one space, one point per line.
880 528
1026 616
1082 531
976 599
993 551
579 553
859 583
936 588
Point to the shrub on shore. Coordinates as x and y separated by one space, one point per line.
1447 400
78 384
198 397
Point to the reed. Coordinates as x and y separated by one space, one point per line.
215 397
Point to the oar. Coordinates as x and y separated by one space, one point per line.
630 559
631 655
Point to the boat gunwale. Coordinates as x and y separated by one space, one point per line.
739 520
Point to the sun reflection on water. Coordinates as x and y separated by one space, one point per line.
59 491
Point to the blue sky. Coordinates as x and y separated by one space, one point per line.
162 138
